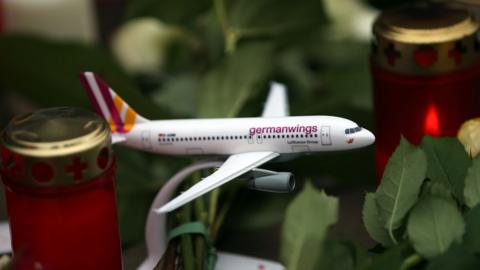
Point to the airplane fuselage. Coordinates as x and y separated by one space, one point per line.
227 136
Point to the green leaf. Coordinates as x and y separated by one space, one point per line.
170 11
341 67
269 17
400 186
434 224
178 95
437 189
456 257
373 221
447 162
472 230
47 73
228 86
472 184
339 255
360 255
336 256
306 223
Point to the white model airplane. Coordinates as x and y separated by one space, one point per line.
249 142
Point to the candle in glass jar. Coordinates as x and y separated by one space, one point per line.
58 169
426 74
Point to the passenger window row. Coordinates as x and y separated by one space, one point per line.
241 137
206 138
288 136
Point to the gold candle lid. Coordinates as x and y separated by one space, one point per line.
425 38
55 147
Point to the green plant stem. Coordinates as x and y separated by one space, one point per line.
410 261
200 254
221 217
279 29
186 240
231 37
231 40
200 212
201 215
213 209
168 260
392 237
187 252
223 213
221 14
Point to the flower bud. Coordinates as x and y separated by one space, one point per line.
469 136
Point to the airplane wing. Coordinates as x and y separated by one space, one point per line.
277 101
233 167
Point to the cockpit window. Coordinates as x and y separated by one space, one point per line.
352 130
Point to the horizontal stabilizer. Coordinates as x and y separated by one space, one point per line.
117 138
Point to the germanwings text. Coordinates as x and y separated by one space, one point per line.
285 129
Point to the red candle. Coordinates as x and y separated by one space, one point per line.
58 169
426 74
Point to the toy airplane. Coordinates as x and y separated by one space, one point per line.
249 142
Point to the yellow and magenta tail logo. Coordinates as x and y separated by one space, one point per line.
127 115
109 105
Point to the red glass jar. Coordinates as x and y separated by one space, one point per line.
58 169
426 74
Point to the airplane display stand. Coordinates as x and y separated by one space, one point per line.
156 233
156 238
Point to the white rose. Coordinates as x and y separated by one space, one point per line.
469 136
141 44
350 19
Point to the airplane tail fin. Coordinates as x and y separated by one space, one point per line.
110 106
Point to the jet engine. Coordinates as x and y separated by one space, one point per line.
270 181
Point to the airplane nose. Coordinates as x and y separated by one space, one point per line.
367 137
364 138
